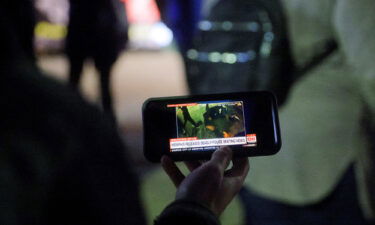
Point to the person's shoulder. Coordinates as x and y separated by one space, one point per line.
33 99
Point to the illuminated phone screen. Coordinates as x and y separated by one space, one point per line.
205 126
192 127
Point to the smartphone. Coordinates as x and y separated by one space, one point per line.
193 127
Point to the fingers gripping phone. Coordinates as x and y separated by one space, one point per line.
193 127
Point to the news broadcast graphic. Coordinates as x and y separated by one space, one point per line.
203 126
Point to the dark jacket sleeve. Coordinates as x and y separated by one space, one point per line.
187 212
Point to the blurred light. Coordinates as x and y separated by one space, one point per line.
265 49
161 35
268 36
226 57
203 56
142 11
245 57
205 25
227 25
229 58
214 57
253 26
50 31
192 54
149 36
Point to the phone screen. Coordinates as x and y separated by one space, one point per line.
192 127
207 125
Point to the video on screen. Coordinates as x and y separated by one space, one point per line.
207 125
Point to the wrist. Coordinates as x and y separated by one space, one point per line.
187 211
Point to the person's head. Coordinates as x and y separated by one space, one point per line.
16 42
18 18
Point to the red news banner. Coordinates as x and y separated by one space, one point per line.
193 142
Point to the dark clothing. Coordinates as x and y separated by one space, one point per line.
184 212
182 17
21 15
62 162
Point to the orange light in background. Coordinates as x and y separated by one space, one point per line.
142 11
146 30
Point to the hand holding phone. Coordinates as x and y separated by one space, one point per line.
209 183
193 127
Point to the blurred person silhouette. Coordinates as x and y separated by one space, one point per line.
182 17
231 46
63 162
324 173
24 16
97 30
